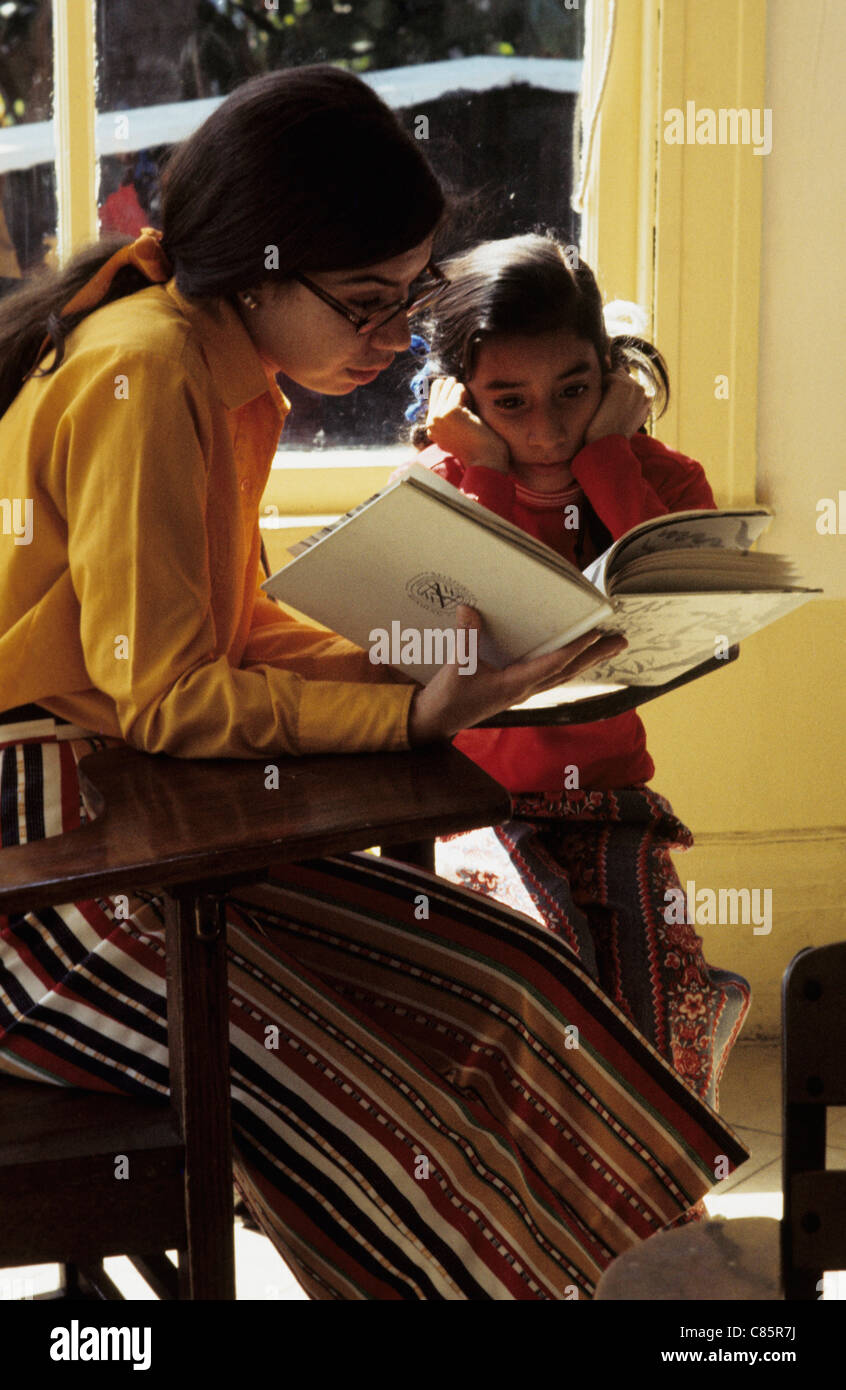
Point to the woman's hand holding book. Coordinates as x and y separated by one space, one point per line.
453 701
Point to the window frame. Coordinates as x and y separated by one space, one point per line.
690 252
74 119
697 274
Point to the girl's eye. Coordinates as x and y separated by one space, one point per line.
570 392
367 306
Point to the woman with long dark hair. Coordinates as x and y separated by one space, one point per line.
140 420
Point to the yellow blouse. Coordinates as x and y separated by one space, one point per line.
134 608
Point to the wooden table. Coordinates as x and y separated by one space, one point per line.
188 830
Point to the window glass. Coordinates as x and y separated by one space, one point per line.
490 86
27 149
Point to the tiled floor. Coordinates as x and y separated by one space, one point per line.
750 1102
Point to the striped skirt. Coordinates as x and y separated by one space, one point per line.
431 1098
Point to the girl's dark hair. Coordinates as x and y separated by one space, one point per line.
526 285
304 169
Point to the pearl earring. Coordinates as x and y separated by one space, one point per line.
249 299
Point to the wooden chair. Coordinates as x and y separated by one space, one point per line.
187 830
757 1257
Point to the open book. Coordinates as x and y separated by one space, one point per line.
680 587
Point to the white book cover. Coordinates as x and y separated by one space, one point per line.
406 558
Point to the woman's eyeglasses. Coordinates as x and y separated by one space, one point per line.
423 292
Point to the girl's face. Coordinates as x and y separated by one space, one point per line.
539 394
295 332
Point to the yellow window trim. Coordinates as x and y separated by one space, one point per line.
678 227
74 112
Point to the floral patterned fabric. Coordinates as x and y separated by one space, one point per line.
594 867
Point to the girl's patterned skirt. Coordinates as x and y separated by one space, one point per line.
594 867
454 1109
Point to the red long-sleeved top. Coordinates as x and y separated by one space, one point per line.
625 481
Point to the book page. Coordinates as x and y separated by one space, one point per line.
701 571
721 530
567 694
317 536
668 634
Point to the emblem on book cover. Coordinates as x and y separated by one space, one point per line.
438 593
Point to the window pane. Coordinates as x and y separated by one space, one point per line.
490 86
27 149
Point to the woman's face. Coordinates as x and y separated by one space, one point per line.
539 394
295 332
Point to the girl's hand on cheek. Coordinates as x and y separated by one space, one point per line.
453 426
623 409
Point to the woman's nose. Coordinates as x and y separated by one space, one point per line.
395 334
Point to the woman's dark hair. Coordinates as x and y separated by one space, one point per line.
526 285
300 170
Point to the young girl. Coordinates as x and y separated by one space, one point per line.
534 412
297 234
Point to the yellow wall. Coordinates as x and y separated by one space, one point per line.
802 412
752 757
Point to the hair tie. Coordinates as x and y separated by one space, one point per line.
420 383
624 318
145 253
